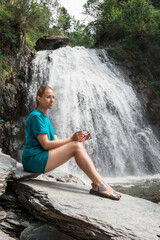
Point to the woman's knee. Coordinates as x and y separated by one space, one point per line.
76 146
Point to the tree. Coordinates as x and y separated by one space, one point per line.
64 20
17 16
81 35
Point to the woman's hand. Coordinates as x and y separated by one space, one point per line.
80 136
87 135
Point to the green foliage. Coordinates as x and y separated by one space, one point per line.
34 18
64 20
5 69
81 35
6 32
92 8
54 31
125 20
27 16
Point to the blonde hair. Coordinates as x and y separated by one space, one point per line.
41 91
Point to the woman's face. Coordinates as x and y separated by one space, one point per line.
47 99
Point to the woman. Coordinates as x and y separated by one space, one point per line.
44 152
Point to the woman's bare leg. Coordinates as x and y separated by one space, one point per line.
59 156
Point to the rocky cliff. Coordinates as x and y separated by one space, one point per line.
12 92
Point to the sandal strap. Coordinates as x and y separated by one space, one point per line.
99 188
114 194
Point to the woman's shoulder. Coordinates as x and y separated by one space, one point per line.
35 114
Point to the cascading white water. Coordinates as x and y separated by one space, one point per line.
91 94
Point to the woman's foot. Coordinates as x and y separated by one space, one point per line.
105 191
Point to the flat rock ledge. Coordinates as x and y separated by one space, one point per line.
68 207
72 210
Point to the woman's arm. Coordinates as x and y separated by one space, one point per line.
47 145
55 137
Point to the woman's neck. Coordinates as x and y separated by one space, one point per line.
41 109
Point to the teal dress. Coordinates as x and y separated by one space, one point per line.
34 156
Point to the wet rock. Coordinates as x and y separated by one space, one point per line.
41 232
7 170
51 43
71 209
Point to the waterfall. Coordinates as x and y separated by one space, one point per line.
92 94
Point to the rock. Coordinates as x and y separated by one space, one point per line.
6 225
41 232
61 176
7 170
14 138
14 217
13 88
51 43
23 53
71 209
21 174
4 236
56 175
2 214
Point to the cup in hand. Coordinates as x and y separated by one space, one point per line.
86 134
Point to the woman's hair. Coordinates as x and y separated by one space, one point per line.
41 91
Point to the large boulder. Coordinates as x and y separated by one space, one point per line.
72 210
51 43
65 203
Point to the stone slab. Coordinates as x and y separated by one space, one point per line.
73 210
